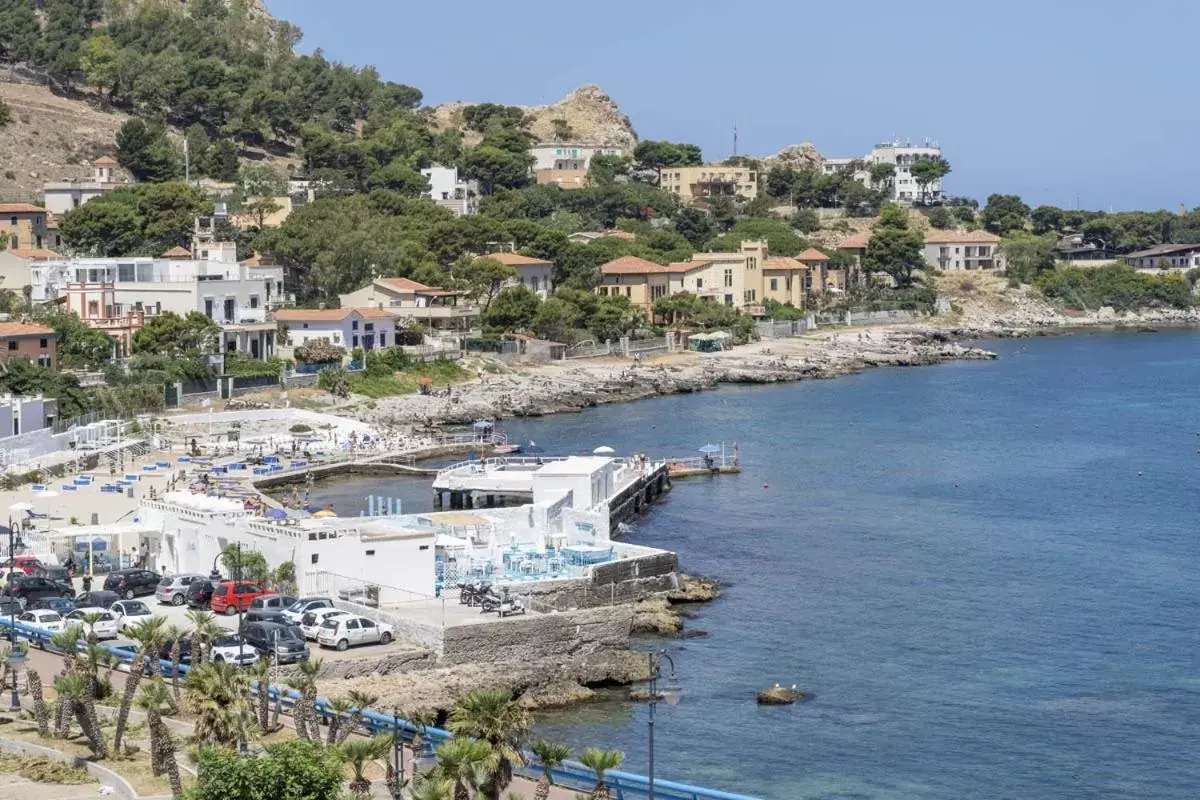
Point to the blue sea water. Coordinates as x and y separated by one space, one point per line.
987 574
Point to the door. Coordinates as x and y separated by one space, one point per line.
370 631
353 631
208 307
230 303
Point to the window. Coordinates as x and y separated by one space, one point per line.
45 361
368 624
749 295
315 556
370 552
351 624
657 292
370 326
126 273
254 301
699 283
43 343
12 221
14 243
355 340
12 344
728 278
751 263
629 291
145 273
774 284
353 324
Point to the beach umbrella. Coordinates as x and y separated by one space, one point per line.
710 449
276 513
603 451
324 514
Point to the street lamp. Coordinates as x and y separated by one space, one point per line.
671 693
14 661
397 753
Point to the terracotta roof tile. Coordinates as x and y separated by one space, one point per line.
630 265
34 254
812 254
328 314
178 252
518 260
857 241
20 208
961 237
16 329
403 283
105 161
782 262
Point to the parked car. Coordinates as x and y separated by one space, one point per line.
28 589
54 573
26 564
347 631
310 623
364 595
104 628
279 642
99 599
271 602
172 589
262 615
63 605
10 607
235 649
43 619
130 613
229 597
295 612
185 650
199 594
130 583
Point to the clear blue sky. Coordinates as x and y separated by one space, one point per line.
1055 100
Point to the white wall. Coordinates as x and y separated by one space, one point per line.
545 154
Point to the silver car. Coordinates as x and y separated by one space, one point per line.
171 590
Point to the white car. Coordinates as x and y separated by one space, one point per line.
43 619
310 623
234 650
104 628
129 613
343 632
296 611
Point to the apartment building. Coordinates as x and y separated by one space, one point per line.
449 190
568 156
644 282
23 226
955 250
368 328
535 273
690 184
903 188
732 279
1177 256
436 308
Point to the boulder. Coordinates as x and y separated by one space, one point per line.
779 696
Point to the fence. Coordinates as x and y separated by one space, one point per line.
782 328
571 775
592 350
429 352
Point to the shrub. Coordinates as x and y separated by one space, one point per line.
1115 285
5 113
334 380
319 351
300 427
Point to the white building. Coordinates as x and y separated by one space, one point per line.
901 155
62 196
448 190
564 155
23 414
534 273
368 328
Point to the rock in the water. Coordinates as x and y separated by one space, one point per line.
779 696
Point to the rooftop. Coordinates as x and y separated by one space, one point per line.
1163 250
178 252
105 161
402 283
327 314
961 237
632 265
20 208
857 241
17 329
33 254
518 260
812 254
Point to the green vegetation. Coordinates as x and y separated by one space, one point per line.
1121 287
168 334
895 248
241 365
43 770
390 372
294 770
145 219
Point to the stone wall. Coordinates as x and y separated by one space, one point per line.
622 581
390 664
538 637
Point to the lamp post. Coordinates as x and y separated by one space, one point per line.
14 661
671 693
12 608
398 754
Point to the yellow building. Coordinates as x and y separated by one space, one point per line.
643 281
709 180
23 226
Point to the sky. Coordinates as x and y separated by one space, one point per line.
1074 103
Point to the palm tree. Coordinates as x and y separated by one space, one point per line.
421 720
149 636
154 699
496 718
40 711
89 623
470 763
304 716
601 761
550 754
174 634
338 707
434 789
216 695
67 643
74 689
261 672
358 754
361 701
206 632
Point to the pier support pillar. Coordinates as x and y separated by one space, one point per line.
470 498
437 499
491 501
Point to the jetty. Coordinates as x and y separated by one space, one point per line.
714 460
622 486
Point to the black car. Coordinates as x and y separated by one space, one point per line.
264 615
282 642
199 594
28 589
185 650
59 574
129 583
63 605
96 599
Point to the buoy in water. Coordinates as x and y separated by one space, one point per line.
1139 473
766 486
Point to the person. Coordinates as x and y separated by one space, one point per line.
87 583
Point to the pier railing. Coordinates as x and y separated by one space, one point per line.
571 775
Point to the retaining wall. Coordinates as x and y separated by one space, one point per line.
623 581
538 637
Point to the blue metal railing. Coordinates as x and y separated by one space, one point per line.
572 775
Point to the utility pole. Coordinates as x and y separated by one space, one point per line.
187 162
735 138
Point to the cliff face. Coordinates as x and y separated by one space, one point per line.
590 116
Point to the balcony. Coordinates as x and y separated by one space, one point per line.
241 316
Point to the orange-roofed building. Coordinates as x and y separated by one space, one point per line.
37 343
433 306
955 250
644 281
23 226
535 273
178 252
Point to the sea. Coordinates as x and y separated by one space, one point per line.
986 575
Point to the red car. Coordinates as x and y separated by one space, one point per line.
229 597
26 564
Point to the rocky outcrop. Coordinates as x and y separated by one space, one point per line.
798 157
587 114
694 589
656 616
779 696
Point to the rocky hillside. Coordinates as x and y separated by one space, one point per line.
591 115
803 156
50 138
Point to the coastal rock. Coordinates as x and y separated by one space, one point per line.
556 694
779 696
694 589
642 695
655 615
